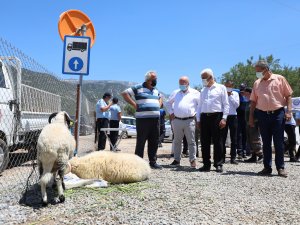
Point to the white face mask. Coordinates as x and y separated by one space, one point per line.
259 75
204 82
229 89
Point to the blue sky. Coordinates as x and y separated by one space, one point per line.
173 37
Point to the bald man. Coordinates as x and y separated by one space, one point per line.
182 107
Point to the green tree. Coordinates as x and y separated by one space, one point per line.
129 110
245 73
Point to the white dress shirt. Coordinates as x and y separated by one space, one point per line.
183 104
213 99
234 102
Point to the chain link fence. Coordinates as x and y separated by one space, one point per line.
29 93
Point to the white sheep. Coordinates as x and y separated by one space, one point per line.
110 166
55 147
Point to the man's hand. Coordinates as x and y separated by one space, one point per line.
288 116
172 116
222 123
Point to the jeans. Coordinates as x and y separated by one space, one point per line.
272 126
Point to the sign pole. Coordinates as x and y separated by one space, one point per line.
79 98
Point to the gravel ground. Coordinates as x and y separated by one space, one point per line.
174 196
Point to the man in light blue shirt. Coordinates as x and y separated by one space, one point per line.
115 118
103 116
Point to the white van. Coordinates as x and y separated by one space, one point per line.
130 124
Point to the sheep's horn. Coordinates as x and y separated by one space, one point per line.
51 117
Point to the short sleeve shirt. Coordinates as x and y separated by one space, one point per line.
147 101
114 111
99 114
271 94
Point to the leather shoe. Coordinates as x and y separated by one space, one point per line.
233 161
204 169
252 159
282 173
265 172
155 166
219 169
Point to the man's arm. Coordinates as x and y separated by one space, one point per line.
128 99
288 114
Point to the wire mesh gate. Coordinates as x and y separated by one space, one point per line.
29 93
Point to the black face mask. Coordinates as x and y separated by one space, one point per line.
154 82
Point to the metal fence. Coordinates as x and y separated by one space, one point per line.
29 93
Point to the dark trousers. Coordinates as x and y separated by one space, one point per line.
272 126
102 123
210 130
231 124
147 130
162 131
290 131
113 134
185 145
241 133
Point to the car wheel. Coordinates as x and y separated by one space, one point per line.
4 155
125 135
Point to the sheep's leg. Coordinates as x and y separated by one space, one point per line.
45 178
60 190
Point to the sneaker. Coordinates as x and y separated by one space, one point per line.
282 173
252 159
155 166
175 163
260 158
233 161
193 164
219 169
265 172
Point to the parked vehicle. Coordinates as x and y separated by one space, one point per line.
130 124
24 110
169 132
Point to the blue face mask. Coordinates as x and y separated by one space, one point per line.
183 87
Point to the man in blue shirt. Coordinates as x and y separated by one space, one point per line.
115 118
147 104
103 115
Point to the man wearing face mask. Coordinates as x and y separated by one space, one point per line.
232 123
211 119
103 116
270 94
147 104
182 107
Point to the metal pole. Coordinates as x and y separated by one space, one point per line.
79 98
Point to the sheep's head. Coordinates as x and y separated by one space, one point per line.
61 117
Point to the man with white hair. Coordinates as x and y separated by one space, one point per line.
182 107
211 119
147 104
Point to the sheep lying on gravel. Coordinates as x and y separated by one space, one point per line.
110 166
55 147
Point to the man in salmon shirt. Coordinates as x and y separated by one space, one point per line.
270 94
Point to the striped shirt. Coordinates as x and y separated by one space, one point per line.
147 101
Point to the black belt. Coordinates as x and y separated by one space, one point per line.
211 114
272 111
185 118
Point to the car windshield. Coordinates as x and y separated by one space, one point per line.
128 121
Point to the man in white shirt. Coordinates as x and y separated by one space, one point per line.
182 107
231 124
211 119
